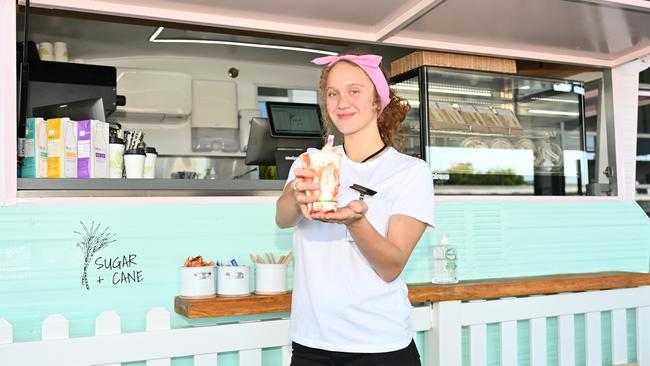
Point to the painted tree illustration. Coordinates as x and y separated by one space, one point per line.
92 241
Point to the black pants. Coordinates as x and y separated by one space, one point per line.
306 356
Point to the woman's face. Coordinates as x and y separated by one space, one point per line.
350 98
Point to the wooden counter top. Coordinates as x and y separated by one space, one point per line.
232 306
427 292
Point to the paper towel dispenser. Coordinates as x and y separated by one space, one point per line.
154 95
214 104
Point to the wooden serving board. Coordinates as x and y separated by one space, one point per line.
427 292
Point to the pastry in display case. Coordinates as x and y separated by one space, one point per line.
524 143
500 143
510 134
475 142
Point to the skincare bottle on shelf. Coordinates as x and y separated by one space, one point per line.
444 262
35 156
61 148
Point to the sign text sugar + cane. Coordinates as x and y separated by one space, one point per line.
119 270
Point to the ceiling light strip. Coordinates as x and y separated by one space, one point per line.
460 91
553 113
155 34
447 90
154 39
558 100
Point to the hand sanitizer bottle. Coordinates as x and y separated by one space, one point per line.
444 262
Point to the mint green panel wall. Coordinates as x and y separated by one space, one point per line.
41 268
533 238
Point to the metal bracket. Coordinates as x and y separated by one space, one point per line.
599 189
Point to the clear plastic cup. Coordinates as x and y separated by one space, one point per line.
326 165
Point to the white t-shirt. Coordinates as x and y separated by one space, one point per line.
339 302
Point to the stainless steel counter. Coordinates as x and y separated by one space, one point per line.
69 187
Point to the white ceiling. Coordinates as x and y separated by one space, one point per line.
355 13
589 32
596 30
93 39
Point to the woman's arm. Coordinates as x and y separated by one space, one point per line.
291 207
287 211
386 255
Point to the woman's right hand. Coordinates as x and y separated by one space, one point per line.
300 186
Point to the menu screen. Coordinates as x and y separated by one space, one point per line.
294 119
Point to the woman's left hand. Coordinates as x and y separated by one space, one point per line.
347 215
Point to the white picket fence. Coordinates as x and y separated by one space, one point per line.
450 316
441 323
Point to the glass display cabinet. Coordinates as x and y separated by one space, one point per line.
490 133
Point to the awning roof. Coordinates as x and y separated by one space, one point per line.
588 32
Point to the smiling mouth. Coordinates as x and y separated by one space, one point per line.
345 116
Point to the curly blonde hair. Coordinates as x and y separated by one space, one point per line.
389 120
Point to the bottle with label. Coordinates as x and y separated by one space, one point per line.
444 262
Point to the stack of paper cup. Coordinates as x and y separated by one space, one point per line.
45 51
60 52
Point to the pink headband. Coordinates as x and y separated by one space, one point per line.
369 64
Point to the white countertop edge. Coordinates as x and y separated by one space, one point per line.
243 200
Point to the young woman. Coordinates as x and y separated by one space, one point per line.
349 307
